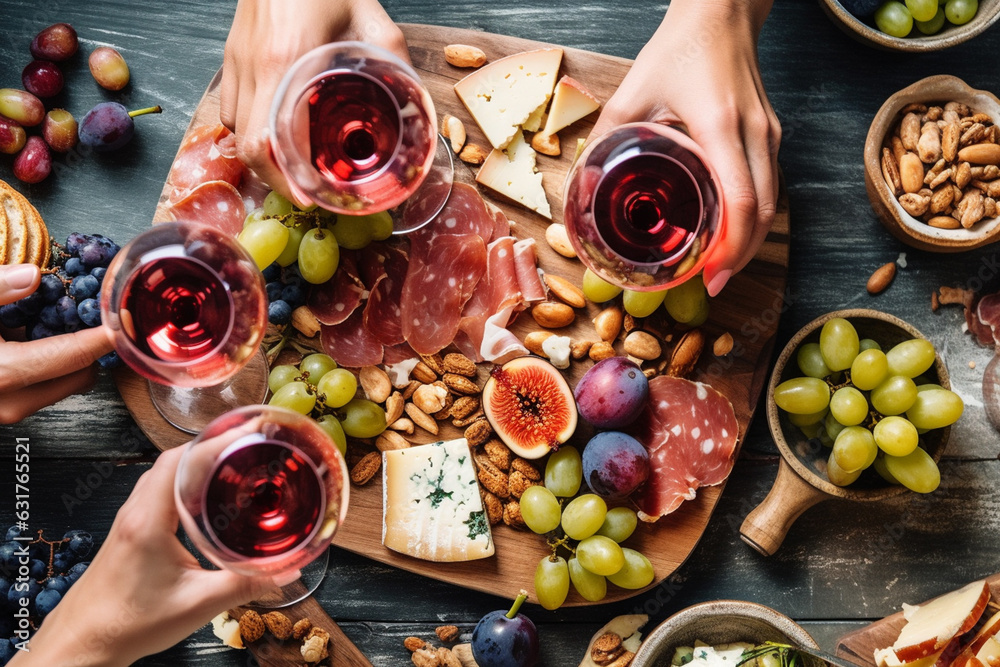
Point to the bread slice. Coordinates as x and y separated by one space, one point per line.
17 227
27 237
3 234
40 249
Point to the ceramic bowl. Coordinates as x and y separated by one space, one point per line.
866 32
914 232
720 622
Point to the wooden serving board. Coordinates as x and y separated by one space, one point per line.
749 309
859 646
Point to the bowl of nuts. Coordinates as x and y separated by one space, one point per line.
897 26
932 165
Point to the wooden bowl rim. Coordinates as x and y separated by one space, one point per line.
774 417
925 236
951 36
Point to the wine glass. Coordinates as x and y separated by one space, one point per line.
643 207
188 310
262 491
354 131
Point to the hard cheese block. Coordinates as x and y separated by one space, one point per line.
570 103
431 507
504 94
513 174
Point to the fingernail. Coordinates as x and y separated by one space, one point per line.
718 282
22 276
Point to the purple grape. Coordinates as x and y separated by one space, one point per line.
74 267
58 42
12 136
42 78
12 317
94 254
31 304
279 313
90 312
109 126
67 310
46 601
40 331
499 641
273 290
612 393
51 317
614 464
51 288
84 287
34 163
76 240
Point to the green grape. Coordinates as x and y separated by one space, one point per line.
916 471
880 468
319 256
636 573
380 225
253 216
869 369
839 344
896 436
833 427
583 516
927 387
854 449
275 204
813 430
837 475
280 376
591 587
811 361
362 418
551 582
600 555
264 240
894 396
961 12
331 425
922 10
564 472
868 344
825 439
848 406
597 289
619 523
338 387
911 358
540 509
702 316
935 408
295 396
352 232
317 365
933 26
686 301
642 304
290 254
893 18
807 420
802 396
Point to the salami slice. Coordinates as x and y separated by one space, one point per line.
253 189
690 431
215 203
501 225
394 354
988 312
336 299
207 154
465 213
383 314
350 344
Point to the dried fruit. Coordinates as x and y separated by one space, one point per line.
278 624
251 626
463 55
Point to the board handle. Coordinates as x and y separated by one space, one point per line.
765 527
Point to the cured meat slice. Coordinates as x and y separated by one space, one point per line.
690 431
526 267
465 213
976 325
207 154
394 354
215 203
350 344
383 314
253 189
501 225
336 299
988 313
441 276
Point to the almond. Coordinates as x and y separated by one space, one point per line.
565 291
980 154
880 280
434 361
376 383
473 154
601 350
459 364
421 419
686 354
391 440
478 432
394 407
463 55
558 239
464 406
608 323
534 340
460 384
911 173
723 345
305 322
414 643
546 144
366 468
553 315
454 131
423 373
642 345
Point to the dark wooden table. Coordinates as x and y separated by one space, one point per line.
842 565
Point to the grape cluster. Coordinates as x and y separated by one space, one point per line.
686 303
69 298
286 291
853 398
317 387
53 567
898 19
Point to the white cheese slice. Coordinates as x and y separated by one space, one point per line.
536 119
504 94
431 505
513 174
570 102
989 654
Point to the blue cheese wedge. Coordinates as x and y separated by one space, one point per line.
431 507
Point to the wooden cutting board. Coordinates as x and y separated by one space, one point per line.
859 646
749 309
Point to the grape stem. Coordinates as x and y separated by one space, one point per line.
522 595
143 112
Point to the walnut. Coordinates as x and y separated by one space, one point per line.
446 633
423 657
447 659
301 628
251 626
414 643
314 647
279 624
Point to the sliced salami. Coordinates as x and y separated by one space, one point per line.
690 431
350 344
207 154
988 313
216 203
253 189
394 354
465 213
501 225
383 314
335 300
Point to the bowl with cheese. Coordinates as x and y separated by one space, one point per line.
717 633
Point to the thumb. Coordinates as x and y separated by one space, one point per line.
18 281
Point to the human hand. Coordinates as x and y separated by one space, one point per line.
700 69
143 592
41 372
267 36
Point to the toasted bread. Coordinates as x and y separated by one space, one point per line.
3 234
38 253
23 234
17 228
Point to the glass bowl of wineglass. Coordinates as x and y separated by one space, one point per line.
354 131
187 308
261 492
643 207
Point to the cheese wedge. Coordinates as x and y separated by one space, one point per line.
513 174
431 507
536 119
502 95
570 102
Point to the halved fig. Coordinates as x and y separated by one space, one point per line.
530 406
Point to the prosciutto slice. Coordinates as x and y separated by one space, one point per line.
350 344
336 299
988 313
207 154
383 313
215 203
526 268
690 431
